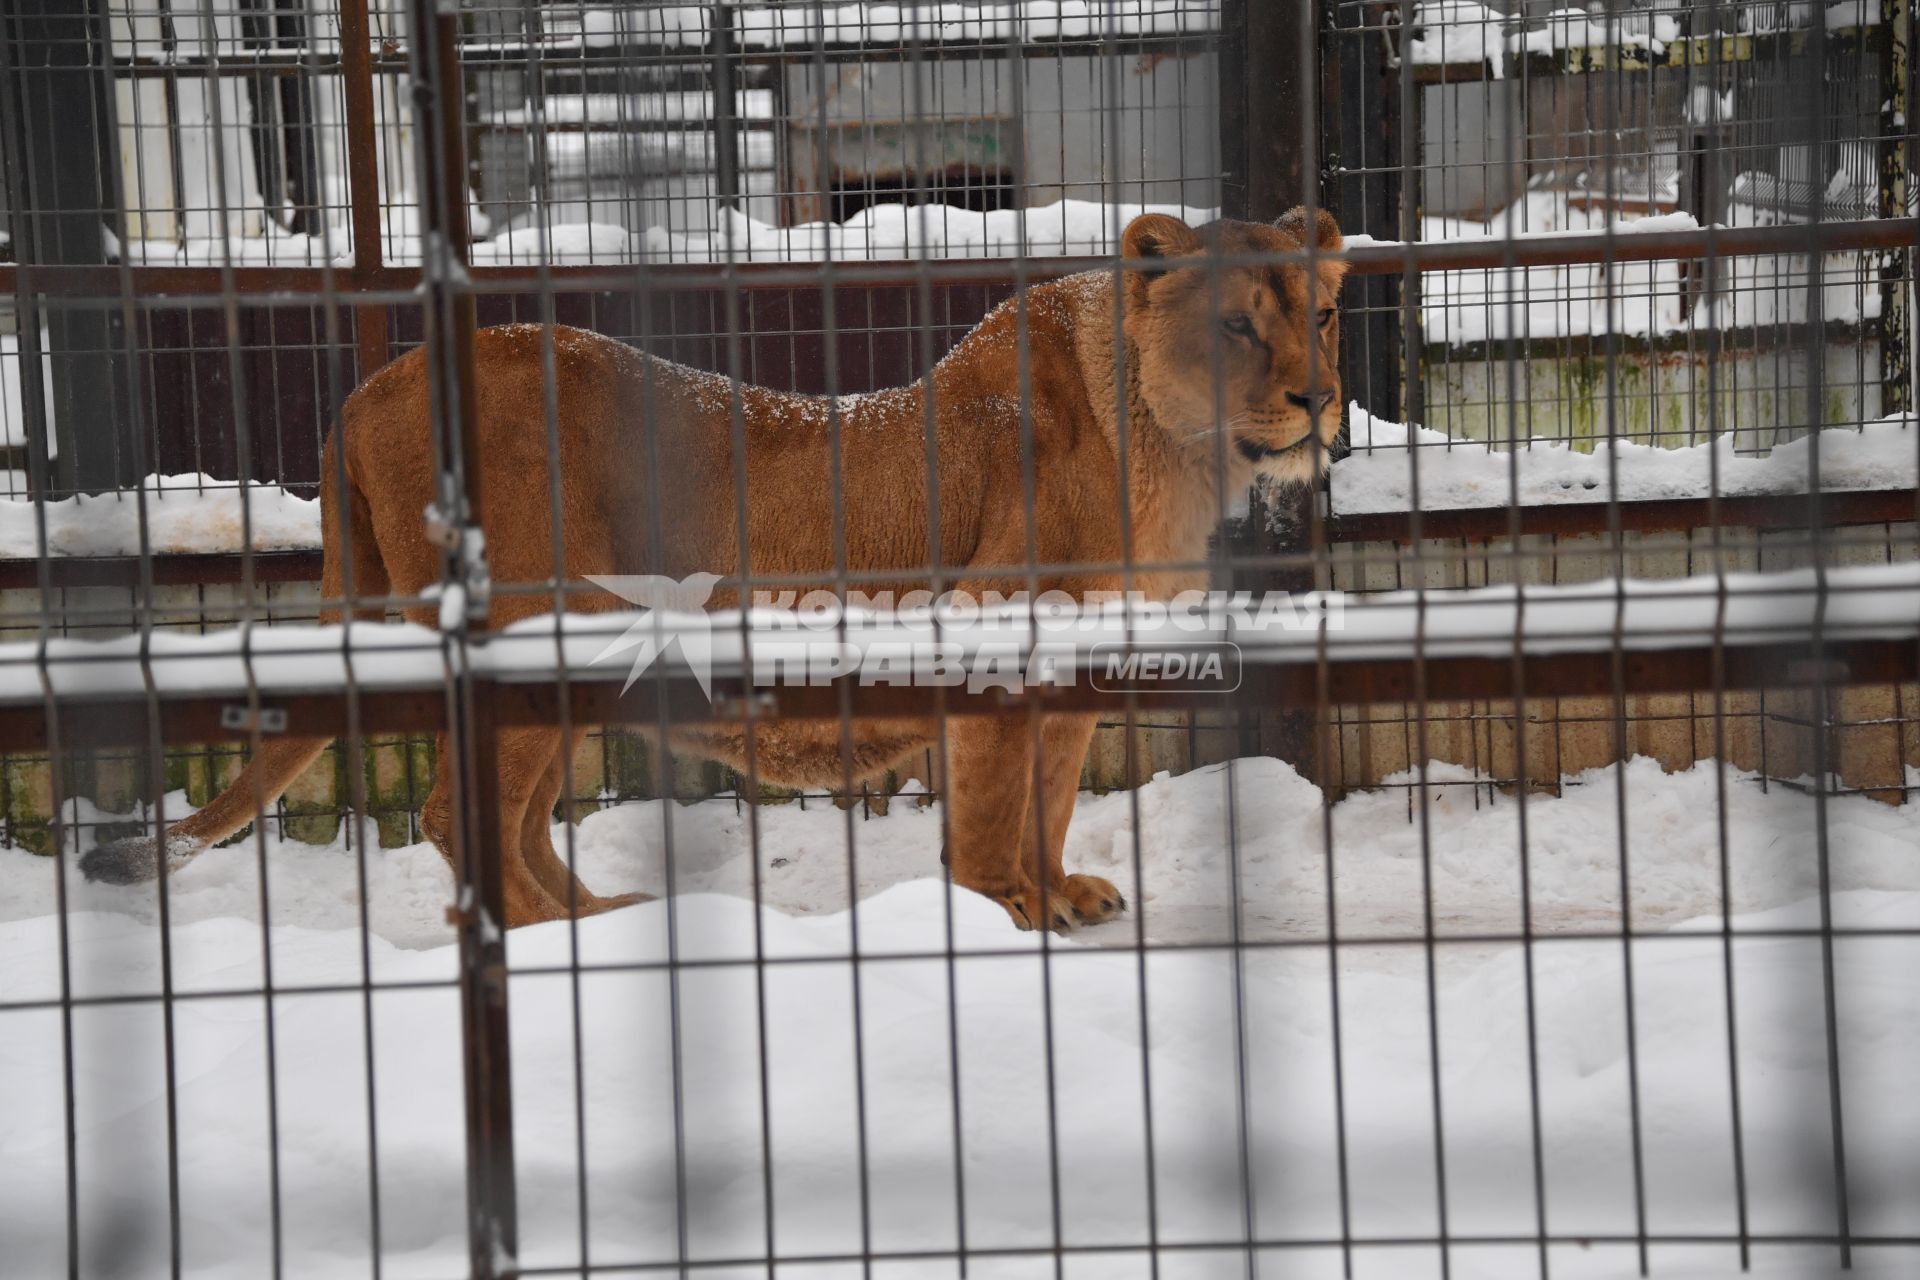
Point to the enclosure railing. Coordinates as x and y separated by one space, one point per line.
1815 631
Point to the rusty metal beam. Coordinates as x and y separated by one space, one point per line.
169 569
363 179
1661 515
1474 524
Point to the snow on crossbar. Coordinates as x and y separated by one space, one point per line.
974 660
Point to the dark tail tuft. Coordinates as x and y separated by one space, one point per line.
133 860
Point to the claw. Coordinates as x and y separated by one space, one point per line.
1057 911
1019 913
1092 900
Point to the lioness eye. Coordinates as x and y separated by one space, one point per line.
1239 326
1326 316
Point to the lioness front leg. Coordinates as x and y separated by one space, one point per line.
1063 751
989 789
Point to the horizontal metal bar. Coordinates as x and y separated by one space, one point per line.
1844 509
170 569
680 701
1658 515
392 58
1549 249
1362 258
1103 953
1249 1247
125 722
1688 342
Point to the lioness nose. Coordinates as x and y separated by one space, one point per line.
1316 402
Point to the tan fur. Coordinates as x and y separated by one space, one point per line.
646 445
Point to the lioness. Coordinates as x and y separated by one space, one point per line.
1271 332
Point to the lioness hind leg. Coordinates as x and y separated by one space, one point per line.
522 758
536 840
1063 750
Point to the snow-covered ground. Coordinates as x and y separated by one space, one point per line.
1378 474
188 512
881 231
1644 299
1454 31
601 23
1087 1020
1457 31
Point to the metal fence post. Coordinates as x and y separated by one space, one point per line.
1896 161
1267 170
472 740
64 193
32 456
1363 186
363 181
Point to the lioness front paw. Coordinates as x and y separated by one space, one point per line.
1094 900
1024 905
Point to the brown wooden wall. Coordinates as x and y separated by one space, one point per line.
276 385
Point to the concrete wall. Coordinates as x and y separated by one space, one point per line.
1762 394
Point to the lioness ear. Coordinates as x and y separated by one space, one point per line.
1325 234
1158 235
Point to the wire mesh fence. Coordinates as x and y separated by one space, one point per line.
1119 637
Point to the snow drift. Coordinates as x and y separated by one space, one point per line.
674 1143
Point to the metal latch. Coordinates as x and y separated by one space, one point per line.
440 528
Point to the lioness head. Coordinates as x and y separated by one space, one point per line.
1271 333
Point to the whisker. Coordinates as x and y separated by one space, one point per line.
1235 423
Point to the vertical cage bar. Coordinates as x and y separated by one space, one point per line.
1266 170
726 155
60 68
15 146
363 179
480 906
1896 165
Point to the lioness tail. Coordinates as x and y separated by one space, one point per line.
279 760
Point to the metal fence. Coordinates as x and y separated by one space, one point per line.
1533 897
